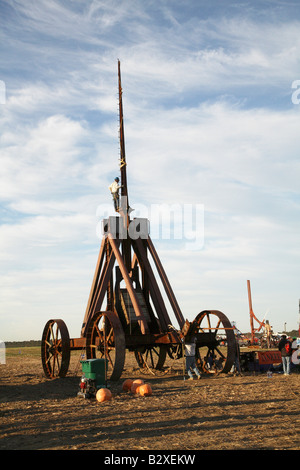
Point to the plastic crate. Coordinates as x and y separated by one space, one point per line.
95 369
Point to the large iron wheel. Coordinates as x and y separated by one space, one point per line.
105 339
216 344
55 349
151 357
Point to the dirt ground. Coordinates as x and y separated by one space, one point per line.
222 412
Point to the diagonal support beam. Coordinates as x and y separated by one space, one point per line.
95 282
136 305
102 290
166 283
153 286
101 280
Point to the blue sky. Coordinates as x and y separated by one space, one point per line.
209 120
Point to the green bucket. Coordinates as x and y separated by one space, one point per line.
95 369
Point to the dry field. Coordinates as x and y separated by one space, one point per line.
215 413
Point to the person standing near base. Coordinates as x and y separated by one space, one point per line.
285 348
268 332
190 362
236 368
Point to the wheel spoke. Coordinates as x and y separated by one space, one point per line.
219 352
110 335
151 358
98 331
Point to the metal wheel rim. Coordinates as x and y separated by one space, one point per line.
111 342
224 359
55 349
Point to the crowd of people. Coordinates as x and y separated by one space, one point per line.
287 347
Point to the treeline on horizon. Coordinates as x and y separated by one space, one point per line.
22 344
33 343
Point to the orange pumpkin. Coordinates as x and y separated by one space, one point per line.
145 390
103 394
127 385
135 385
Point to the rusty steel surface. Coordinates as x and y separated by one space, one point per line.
134 341
124 189
137 308
156 295
77 344
166 283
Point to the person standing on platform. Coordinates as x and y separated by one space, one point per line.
114 189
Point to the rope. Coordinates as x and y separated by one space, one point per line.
157 372
77 365
149 370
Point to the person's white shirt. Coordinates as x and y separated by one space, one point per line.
114 187
190 349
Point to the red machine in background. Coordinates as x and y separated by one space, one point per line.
267 339
253 317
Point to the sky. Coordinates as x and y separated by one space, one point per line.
211 94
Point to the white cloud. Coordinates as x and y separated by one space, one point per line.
224 153
36 158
